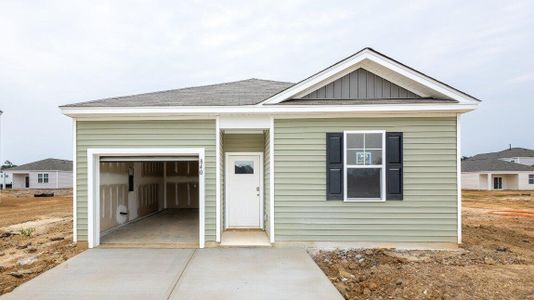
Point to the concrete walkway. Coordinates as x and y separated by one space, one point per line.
217 273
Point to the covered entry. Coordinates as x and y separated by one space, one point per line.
147 199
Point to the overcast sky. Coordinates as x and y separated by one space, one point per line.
59 52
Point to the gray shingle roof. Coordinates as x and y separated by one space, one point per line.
49 164
486 162
363 101
507 153
487 165
244 92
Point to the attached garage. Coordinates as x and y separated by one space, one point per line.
146 197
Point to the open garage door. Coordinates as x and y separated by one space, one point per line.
147 200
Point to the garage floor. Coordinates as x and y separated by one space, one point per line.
173 227
217 273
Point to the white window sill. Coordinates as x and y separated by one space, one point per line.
364 200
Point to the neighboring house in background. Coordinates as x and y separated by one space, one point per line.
364 152
43 174
510 169
5 179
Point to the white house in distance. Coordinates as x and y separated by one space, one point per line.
48 173
5 180
510 169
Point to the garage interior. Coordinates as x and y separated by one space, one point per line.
149 202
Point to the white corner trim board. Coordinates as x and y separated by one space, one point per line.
459 176
93 184
74 185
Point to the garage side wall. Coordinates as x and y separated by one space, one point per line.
145 134
428 212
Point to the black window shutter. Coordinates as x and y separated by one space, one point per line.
394 166
334 166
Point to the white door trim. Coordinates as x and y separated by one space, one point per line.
226 157
93 184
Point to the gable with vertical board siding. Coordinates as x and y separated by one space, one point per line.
361 84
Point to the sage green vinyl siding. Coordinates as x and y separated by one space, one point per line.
428 212
243 142
145 134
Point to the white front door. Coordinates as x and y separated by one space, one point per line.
243 190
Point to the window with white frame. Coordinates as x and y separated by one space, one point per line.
42 178
530 178
364 170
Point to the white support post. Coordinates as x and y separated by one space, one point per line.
271 181
217 180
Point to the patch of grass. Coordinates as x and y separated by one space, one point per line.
27 232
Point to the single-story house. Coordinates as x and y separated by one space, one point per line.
48 173
364 152
510 169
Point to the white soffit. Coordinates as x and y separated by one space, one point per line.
244 122
380 65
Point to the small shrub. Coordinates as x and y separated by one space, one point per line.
27 232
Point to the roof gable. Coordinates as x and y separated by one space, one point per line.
360 84
380 65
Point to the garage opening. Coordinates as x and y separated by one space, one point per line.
149 201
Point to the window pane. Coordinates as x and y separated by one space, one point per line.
356 157
374 157
361 157
363 183
373 140
355 140
244 167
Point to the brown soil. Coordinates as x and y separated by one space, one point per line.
48 244
495 261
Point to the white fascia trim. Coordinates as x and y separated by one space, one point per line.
422 79
93 184
74 185
209 111
499 172
379 59
459 177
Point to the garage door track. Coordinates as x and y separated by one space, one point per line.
217 273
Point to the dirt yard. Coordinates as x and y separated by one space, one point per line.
35 235
495 261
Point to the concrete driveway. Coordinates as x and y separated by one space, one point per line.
217 273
